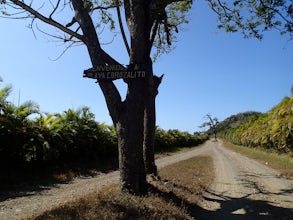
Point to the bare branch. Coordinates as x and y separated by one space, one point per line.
62 39
47 20
153 34
167 30
71 37
121 27
104 7
72 22
55 8
31 26
64 51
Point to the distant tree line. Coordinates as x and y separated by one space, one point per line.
272 130
29 138
173 138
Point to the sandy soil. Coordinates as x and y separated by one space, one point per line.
243 189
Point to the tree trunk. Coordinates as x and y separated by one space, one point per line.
215 134
150 125
149 130
130 139
139 25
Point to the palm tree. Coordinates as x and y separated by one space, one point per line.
17 134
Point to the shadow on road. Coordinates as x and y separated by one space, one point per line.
15 185
26 191
242 208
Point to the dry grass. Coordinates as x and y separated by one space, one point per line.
173 196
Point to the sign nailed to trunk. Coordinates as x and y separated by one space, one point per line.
112 72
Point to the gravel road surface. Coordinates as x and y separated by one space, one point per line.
245 189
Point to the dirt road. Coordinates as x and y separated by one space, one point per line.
243 189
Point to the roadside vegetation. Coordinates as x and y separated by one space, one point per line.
272 131
35 146
266 137
174 195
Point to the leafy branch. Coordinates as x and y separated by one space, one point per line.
252 18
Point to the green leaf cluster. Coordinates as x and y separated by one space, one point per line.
253 17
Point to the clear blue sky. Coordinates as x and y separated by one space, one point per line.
209 72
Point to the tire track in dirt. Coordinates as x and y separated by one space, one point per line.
245 189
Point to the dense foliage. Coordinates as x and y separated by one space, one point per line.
272 130
70 137
173 138
31 138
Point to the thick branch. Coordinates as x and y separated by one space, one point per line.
98 57
103 7
157 82
136 13
47 20
153 34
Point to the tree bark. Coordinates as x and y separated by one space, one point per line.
149 130
130 139
150 125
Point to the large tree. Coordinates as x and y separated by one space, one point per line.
150 23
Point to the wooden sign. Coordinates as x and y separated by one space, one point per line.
112 72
